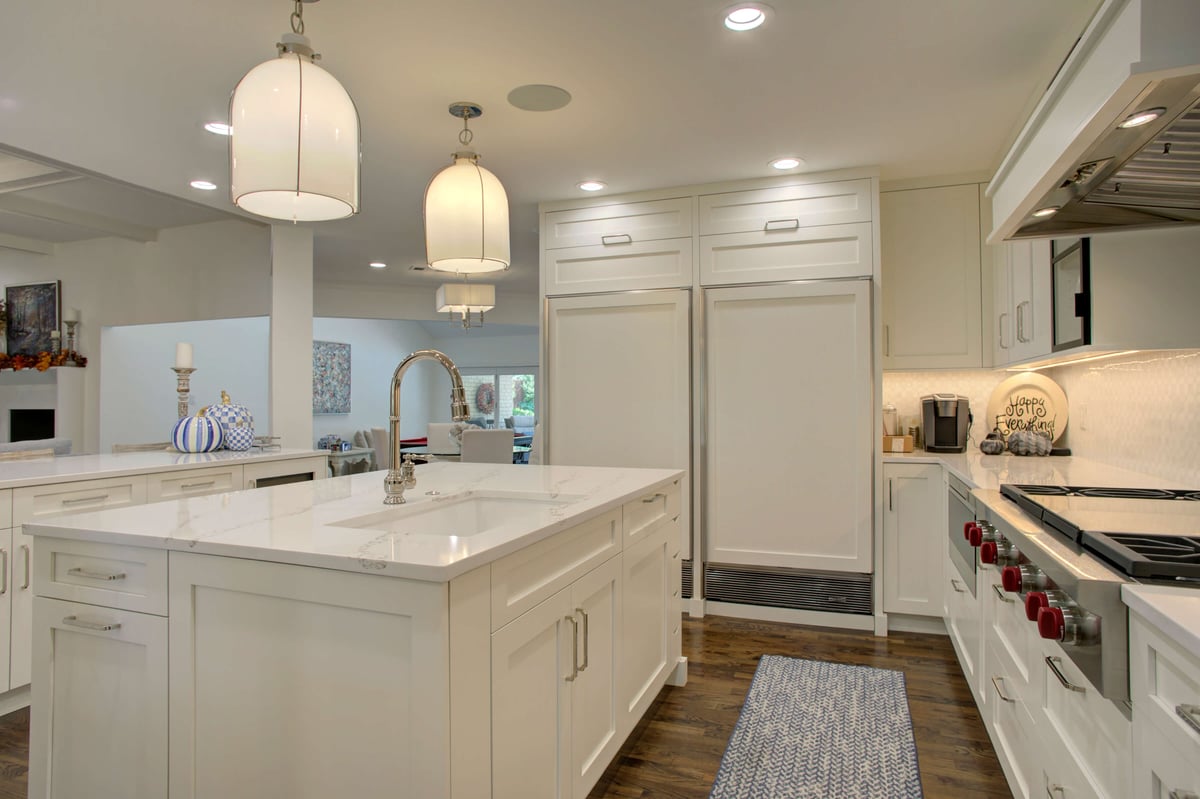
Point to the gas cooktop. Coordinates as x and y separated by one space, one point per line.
1148 533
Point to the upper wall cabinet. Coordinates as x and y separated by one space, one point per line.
799 232
930 275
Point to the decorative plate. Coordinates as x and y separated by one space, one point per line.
1028 401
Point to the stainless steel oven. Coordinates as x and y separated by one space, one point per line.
960 512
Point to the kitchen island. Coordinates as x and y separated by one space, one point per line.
498 635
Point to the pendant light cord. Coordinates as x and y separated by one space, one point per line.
465 135
298 19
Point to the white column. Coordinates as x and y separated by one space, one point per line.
291 335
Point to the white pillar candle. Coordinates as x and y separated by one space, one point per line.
71 315
183 355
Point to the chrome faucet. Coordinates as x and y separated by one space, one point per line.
402 476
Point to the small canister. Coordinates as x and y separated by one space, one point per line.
889 421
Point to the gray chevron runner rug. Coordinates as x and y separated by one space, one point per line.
821 731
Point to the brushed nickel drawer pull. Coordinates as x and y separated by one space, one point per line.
205 484
582 612
82 500
99 626
1003 597
1055 790
79 571
996 685
1053 662
616 238
784 224
1190 714
654 498
26 552
574 648
954 584
1180 793
4 571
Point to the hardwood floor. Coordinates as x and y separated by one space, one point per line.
675 751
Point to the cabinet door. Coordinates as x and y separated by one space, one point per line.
1001 332
930 267
787 253
1031 298
964 622
596 715
650 612
533 665
785 207
620 266
618 223
805 347
619 383
6 602
913 530
21 587
295 470
193 482
99 703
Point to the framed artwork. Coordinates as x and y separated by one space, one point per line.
34 311
331 377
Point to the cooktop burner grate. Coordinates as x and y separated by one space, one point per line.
1098 491
1148 555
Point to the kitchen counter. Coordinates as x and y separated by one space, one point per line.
342 523
68 468
989 471
1175 611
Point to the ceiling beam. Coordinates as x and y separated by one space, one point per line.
38 209
38 181
26 245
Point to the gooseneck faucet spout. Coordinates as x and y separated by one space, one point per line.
401 477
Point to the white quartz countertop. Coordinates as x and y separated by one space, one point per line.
1175 611
66 468
990 471
342 523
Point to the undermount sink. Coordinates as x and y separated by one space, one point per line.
461 515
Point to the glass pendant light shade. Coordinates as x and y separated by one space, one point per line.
466 219
294 152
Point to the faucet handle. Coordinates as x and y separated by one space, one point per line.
408 471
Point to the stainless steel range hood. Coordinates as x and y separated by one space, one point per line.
1074 156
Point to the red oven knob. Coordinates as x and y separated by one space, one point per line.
975 536
967 528
1010 578
987 552
1034 602
1051 623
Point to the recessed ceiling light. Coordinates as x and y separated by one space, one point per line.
203 185
787 163
593 185
219 128
377 265
1142 117
1049 210
745 16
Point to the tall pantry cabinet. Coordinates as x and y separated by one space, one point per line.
727 330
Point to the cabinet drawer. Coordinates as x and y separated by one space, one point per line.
805 254
6 508
297 470
785 207
1094 731
619 223
524 579
193 482
1011 631
1165 684
33 503
1013 726
130 578
623 266
1160 769
641 516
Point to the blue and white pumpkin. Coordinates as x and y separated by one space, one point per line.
199 433
237 423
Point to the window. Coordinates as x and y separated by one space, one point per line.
497 396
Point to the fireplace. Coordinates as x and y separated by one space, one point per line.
30 424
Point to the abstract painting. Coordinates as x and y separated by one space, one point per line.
331 377
33 314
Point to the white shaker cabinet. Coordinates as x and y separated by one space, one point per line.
930 276
914 526
1021 298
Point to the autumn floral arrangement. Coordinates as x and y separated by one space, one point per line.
40 361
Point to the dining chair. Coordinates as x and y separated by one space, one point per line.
438 437
381 441
487 446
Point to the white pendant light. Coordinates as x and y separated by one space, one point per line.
466 211
295 149
466 299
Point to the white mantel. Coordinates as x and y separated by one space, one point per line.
60 388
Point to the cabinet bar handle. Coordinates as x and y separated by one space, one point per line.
1003 597
1190 714
890 506
1055 790
1053 662
81 500
26 553
1000 330
78 571
582 612
954 584
783 224
616 238
1000 693
574 648
205 484
654 498
1021 321
4 571
887 340
75 621
1180 793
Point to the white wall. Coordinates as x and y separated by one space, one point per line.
138 402
473 348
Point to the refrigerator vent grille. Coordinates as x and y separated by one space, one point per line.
831 592
685 589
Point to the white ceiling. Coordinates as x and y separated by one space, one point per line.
663 95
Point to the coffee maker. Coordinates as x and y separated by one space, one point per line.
946 417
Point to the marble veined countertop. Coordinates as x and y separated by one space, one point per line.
66 468
342 523
990 471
